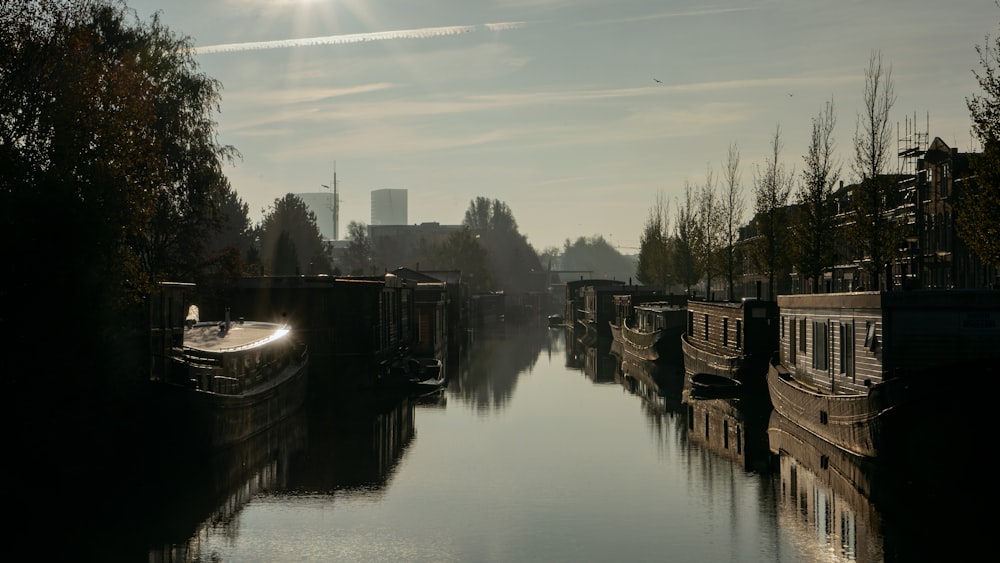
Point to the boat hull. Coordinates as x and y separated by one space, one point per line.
214 420
857 423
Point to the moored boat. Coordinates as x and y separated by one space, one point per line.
653 333
222 382
852 367
731 339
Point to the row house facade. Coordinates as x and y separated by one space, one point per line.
929 254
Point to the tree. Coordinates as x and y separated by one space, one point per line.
687 236
109 159
653 267
513 260
291 215
978 212
710 227
733 210
813 229
772 188
461 250
596 255
358 258
875 233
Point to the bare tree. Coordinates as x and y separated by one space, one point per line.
875 234
654 246
687 234
813 229
733 210
772 188
711 229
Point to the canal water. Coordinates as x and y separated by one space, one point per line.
538 450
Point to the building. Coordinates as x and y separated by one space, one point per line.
389 207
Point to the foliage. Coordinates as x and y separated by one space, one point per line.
109 158
732 211
514 263
291 218
875 233
813 229
687 234
655 244
358 257
595 255
772 188
978 215
463 251
710 227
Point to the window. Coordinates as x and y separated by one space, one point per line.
706 328
802 335
739 333
725 331
847 349
820 345
791 342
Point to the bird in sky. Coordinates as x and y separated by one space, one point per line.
657 80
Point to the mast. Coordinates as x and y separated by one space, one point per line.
334 206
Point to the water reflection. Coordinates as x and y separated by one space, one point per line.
486 379
355 445
825 500
196 495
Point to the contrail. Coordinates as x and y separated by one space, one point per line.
424 33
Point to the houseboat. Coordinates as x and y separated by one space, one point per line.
734 340
222 382
650 331
852 367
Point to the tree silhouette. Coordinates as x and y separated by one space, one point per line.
772 188
291 215
978 214
813 230
875 233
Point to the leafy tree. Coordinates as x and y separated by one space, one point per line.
875 233
687 229
654 266
513 260
978 215
772 188
291 215
597 255
106 133
732 210
358 258
813 229
461 250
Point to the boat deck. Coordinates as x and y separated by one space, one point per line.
207 337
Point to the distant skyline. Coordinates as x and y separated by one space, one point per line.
576 113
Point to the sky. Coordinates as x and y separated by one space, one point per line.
578 114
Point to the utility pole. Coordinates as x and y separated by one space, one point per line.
335 204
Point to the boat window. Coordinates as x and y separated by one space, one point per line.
739 333
847 349
802 335
870 338
706 328
820 345
725 331
791 343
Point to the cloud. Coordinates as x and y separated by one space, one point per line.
422 33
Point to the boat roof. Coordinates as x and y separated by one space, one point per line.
208 337
659 306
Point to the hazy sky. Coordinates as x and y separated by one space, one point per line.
553 106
